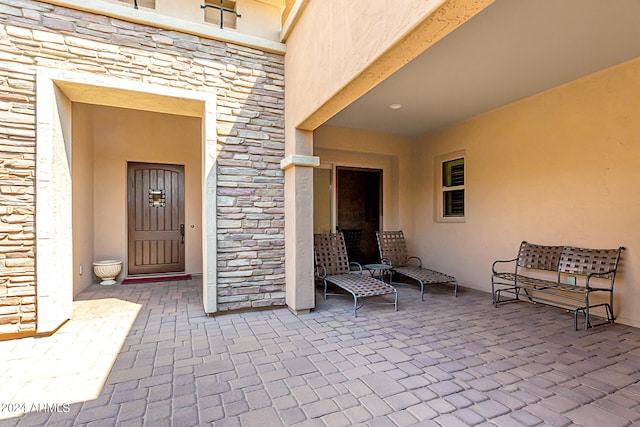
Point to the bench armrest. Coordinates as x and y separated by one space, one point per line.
501 261
602 273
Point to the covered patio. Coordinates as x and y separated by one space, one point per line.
146 354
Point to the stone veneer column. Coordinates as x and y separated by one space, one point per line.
298 191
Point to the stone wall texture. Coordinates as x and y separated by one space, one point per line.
249 86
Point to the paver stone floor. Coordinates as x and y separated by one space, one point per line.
147 355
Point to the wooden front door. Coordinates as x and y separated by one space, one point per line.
155 218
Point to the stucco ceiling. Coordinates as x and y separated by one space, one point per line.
511 50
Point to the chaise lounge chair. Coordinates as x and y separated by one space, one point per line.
393 251
333 266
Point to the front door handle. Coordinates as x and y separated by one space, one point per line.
182 234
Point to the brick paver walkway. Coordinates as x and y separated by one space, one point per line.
444 361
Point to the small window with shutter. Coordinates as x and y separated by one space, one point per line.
450 190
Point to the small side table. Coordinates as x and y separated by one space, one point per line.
380 269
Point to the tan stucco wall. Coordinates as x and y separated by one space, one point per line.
391 153
123 135
322 205
327 70
557 168
82 196
259 19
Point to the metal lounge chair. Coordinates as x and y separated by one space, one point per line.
333 266
393 251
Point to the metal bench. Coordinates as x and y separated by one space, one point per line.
572 275
393 251
333 267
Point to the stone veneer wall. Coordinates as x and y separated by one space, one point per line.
249 85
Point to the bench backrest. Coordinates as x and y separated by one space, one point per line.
330 252
583 261
539 257
393 248
569 260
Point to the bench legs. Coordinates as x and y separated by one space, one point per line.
495 293
608 308
585 310
587 322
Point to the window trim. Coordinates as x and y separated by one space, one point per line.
440 189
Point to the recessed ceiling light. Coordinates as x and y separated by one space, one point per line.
395 106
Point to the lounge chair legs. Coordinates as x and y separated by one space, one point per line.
333 266
393 252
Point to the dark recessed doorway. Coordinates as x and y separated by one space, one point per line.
359 200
